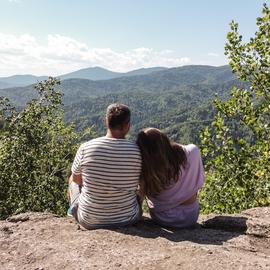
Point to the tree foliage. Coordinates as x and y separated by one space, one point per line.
237 145
36 149
180 114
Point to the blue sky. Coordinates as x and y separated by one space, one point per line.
58 36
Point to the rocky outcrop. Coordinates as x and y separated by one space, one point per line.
46 241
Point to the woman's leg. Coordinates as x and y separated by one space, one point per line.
182 216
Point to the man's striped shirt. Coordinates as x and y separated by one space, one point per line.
110 171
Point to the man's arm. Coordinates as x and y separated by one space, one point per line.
140 192
76 178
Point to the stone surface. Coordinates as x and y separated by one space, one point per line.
45 241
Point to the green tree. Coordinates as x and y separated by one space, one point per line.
237 144
36 150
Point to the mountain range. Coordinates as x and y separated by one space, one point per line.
174 79
92 73
176 100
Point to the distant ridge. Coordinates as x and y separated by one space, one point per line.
99 73
20 80
4 85
143 71
92 73
171 79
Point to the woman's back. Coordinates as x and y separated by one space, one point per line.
190 180
167 207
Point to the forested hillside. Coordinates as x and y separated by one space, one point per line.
177 100
178 113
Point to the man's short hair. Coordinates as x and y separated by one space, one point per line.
117 115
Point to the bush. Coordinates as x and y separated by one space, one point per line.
236 146
36 149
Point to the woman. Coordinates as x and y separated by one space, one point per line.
172 174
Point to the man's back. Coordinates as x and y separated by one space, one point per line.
110 170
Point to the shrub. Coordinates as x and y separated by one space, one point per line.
36 149
237 144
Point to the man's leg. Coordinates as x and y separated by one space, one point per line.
74 192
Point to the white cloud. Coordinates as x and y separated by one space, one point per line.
21 54
213 54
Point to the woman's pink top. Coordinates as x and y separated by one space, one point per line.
190 181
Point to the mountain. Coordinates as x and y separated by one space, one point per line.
98 73
92 73
20 80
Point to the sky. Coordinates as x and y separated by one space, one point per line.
54 37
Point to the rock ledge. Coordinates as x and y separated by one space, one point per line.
46 241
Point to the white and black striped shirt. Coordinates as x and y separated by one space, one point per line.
110 170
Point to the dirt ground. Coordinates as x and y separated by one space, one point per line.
41 241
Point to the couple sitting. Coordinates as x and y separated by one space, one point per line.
107 172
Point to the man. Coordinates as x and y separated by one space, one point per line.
105 176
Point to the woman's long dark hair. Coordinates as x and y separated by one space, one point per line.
161 161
